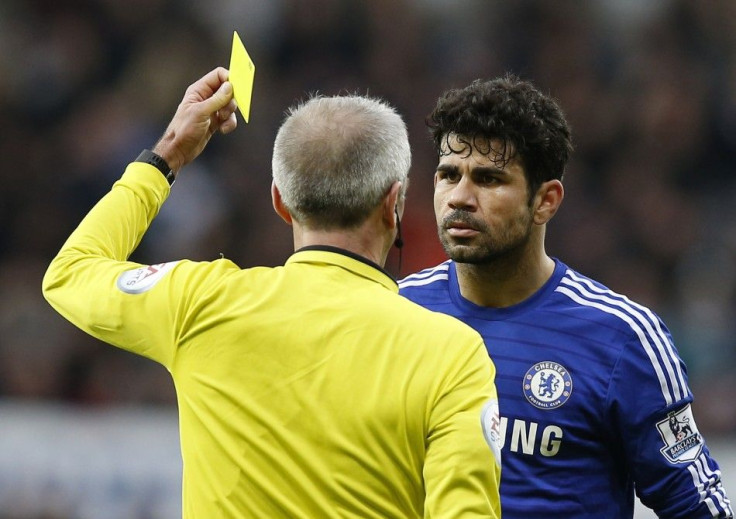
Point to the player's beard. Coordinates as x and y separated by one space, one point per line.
489 245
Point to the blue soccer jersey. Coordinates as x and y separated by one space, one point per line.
594 400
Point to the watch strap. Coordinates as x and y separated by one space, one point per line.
155 160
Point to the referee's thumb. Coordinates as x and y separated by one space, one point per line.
220 98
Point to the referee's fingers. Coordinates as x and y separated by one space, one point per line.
219 99
229 124
226 119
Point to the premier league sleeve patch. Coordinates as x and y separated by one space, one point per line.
142 279
682 441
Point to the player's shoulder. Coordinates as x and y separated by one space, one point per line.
426 281
418 306
602 304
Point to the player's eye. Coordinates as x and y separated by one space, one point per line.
449 176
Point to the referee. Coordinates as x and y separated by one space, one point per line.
311 389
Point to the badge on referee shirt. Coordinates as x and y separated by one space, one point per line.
490 420
142 279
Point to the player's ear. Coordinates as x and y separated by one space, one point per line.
278 204
547 201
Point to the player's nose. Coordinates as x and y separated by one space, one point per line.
462 195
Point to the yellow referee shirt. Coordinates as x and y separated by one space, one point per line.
311 390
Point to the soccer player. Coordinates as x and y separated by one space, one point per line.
594 398
300 393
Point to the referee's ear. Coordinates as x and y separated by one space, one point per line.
278 204
393 206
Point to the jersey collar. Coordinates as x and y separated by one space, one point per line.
499 314
347 260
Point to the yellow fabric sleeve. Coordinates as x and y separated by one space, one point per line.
82 281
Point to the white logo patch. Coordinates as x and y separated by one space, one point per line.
490 420
140 280
682 441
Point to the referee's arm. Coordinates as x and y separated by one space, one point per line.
462 471
83 281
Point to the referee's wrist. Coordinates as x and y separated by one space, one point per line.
157 161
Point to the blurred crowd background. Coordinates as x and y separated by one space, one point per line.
649 88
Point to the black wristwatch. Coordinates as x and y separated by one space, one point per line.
159 163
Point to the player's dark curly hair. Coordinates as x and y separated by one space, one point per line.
529 125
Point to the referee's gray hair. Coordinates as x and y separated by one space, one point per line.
335 158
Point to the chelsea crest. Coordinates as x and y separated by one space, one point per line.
547 385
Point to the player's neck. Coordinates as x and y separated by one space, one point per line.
506 281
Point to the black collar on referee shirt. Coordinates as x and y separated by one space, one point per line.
350 254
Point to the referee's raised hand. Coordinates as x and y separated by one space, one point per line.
208 106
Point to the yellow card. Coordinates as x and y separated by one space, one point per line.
242 72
